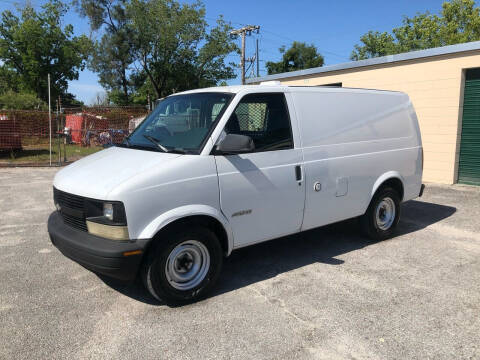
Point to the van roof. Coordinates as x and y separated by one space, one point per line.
272 87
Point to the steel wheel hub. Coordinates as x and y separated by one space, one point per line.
385 213
187 265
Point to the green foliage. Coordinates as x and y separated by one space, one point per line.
374 44
458 22
299 56
34 44
175 51
21 101
69 100
111 60
8 79
156 47
143 88
111 56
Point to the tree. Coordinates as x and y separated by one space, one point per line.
374 44
8 79
21 101
155 47
35 44
69 100
111 56
458 22
173 49
299 56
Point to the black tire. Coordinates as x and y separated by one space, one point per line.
371 225
154 273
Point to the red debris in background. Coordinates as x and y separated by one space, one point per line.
9 137
28 130
81 124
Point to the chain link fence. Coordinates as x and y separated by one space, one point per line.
76 132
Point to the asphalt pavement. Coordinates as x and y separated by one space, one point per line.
324 294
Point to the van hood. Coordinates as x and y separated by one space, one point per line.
95 176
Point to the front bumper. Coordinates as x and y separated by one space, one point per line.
102 256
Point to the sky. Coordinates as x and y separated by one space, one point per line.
334 27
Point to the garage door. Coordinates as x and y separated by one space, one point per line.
469 165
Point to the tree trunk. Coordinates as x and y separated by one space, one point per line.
124 84
150 76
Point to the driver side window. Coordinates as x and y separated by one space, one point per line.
264 118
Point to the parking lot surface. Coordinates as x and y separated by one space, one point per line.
323 294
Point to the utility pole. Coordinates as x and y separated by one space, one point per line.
250 60
258 61
244 31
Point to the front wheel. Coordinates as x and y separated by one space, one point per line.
382 215
183 266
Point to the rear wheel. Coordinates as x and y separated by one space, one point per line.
382 215
183 266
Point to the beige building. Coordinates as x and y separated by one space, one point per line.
439 81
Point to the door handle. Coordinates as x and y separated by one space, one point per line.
298 173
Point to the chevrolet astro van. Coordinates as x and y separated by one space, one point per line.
213 170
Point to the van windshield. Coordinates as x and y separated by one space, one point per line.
180 123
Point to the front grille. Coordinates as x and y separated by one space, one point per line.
69 200
72 209
75 222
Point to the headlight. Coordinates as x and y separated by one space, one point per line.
107 219
108 211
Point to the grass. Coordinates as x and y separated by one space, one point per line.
39 154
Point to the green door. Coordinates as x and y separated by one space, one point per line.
469 164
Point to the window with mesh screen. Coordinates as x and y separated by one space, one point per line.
263 117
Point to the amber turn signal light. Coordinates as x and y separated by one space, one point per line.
134 252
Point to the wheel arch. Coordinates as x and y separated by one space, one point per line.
197 214
392 179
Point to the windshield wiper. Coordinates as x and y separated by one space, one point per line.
156 143
177 151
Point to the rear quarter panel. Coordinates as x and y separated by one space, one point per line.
359 136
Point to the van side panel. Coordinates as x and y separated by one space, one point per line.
351 116
351 138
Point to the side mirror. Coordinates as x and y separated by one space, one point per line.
235 144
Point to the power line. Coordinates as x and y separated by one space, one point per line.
257 58
321 49
278 35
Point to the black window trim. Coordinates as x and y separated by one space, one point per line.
285 103
219 117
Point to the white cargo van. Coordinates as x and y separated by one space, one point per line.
244 164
